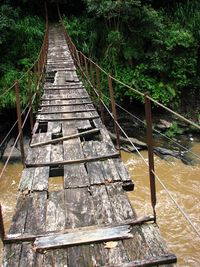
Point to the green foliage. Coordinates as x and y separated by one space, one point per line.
20 39
174 130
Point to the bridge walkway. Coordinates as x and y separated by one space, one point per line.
89 221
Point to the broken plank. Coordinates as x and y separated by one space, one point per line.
56 241
54 196
66 118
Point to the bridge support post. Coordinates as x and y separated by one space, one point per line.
114 112
86 70
36 84
150 153
30 99
2 230
19 120
99 91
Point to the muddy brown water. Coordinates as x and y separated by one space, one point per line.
181 180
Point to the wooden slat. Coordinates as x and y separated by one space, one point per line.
36 217
55 218
26 179
163 259
76 161
58 196
115 233
79 205
86 133
40 180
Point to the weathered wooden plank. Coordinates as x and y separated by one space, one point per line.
74 176
11 255
27 255
19 218
120 204
122 171
161 260
75 257
36 217
26 179
55 217
54 127
64 103
94 169
57 153
64 138
75 161
40 180
79 208
103 209
115 233
18 237
54 111
137 248
68 117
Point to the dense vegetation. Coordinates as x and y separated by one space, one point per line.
21 35
154 44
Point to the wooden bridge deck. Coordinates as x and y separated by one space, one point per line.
74 226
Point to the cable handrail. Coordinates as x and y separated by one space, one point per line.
155 130
186 216
142 94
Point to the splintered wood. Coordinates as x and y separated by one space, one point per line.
89 221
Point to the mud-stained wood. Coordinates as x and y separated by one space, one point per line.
40 180
55 241
36 217
79 208
55 217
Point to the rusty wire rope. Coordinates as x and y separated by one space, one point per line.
185 215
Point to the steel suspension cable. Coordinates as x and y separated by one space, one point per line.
142 94
170 139
145 161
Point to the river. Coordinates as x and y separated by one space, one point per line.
181 180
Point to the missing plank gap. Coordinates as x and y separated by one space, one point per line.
42 127
56 135
91 137
50 76
56 171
